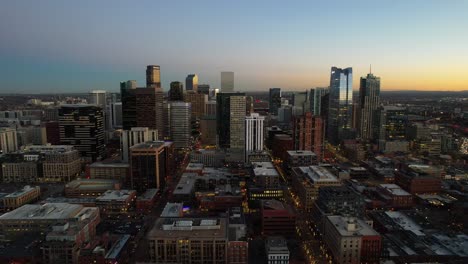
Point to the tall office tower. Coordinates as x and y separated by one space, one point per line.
116 114
166 120
275 100
308 133
82 126
249 108
237 123
390 124
198 102
149 163
191 82
223 117
176 93
204 89
315 100
135 136
210 108
339 122
150 109
98 97
8 140
227 82
153 76
299 102
369 100
128 98
253 133
180 124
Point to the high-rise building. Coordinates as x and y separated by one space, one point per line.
308 132
180 124
369 100
166 120
98 97
253 133
153 76
210 108
150 109
82 126
149 165
116 114
8 140
204 89
340 110
128 98
176 93
191 82
208 130
227 82
198 102
236 122
135 136
227 115
249 108
275 100
315 98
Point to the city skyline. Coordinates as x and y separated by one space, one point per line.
73 47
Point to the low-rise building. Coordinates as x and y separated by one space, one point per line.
300 158
395 196
277 250
307 182
265 175
19 198
277 219
109 169
81 188
114 202
352 240
146 201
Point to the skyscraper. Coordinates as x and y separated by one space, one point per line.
253 133
82 126
340 105
150 109
135 136
191 82
227 82
198 101
180 124
275 100
98 97
237 123
223 117
316 96
128 98
369 100
204 89
153 76
8 140
176 93
300 103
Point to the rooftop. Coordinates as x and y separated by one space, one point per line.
318 174
186 183
149 145
112 195
264 168
301 153
276 244
175 228
92 184
405 222
194 166
350 226
172 210
148 194
26 189
117 247
49 211
110 164
395 189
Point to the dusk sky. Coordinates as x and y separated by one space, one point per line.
77 46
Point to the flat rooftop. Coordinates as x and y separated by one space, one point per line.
318 174
26 189
172 210
92 184
113 195
301 153
194 166
117 247
48 211
148 194
264 168
405 222
395 189
350 226
149 145
186 183
109 164
201 228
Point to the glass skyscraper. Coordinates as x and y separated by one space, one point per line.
275 100
340 105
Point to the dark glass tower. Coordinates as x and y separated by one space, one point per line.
128 98
153 76
275 100
340 110
369 100
176 93
223 118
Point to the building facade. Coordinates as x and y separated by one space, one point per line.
339 121
180 124
369 102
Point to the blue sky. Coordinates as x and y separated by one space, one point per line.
74 46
